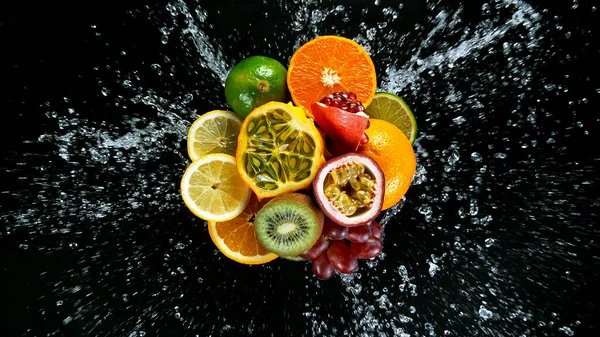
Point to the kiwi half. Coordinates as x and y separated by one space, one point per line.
289 224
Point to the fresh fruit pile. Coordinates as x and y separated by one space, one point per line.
305 181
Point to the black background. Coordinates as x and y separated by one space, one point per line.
49 51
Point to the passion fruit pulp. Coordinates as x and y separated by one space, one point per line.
350 189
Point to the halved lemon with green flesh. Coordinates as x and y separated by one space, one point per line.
212 188
279 150
214 132
393 109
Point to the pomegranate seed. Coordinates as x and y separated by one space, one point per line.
364 139
343 100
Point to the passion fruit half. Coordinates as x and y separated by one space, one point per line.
350 189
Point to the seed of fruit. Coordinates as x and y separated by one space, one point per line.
376 230
289 224
279 150
343 100
366 250
364 139
334 231
317 249
359 233
322 268
349 189
341 258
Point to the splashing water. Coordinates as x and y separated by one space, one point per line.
97 195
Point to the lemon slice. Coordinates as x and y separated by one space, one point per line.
393 109
214 132
212 189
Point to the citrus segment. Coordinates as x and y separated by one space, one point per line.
279 150
392 151
329 64
212 188
393 109
214 132
236 238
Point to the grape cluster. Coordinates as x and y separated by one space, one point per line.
339 248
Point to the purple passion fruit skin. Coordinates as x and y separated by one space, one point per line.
349 189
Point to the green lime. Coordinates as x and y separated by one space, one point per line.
393 109
253 82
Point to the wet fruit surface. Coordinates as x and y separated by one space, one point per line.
289 225
341 258
279 149
350 189
329 64
343 100
343 127
255 81
394 154
236 238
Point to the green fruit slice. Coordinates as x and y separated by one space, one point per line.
393 109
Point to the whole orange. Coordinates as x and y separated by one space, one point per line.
392 151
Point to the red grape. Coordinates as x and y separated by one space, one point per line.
341 257
334 231
322 268
319 247
376 230
366 250
359 233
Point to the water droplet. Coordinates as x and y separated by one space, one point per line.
567 331
484 313
371 32
317 16
433 268
489 242
473 207
459 120
476 156
453 158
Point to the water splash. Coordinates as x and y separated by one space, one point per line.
118 176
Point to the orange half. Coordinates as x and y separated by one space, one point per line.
236 238
329 64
